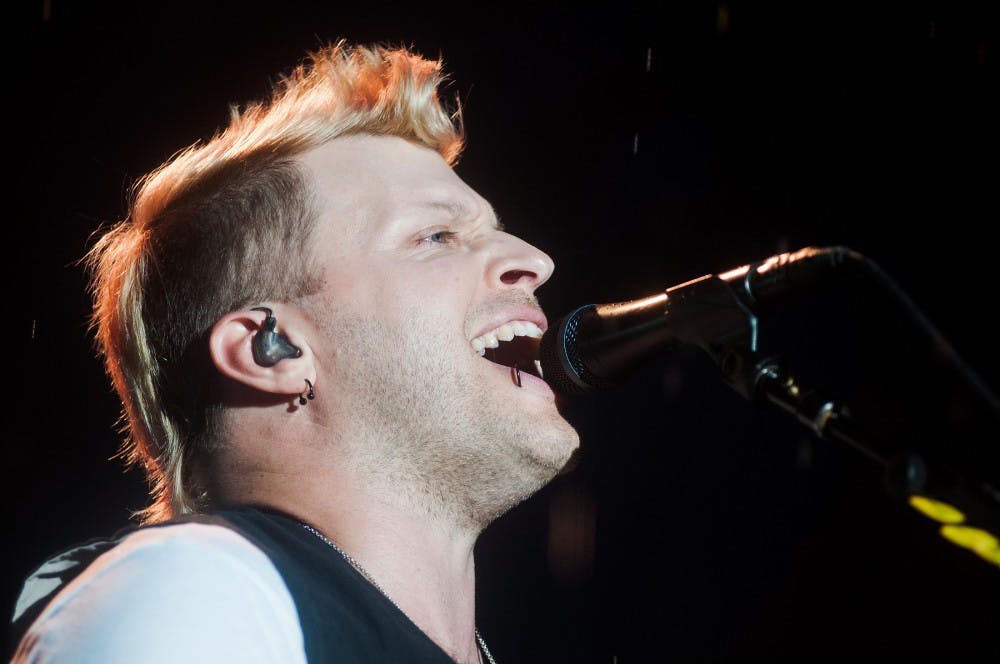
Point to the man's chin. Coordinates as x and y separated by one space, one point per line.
554 453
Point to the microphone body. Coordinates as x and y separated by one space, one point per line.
596 346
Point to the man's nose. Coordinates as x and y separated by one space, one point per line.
517 263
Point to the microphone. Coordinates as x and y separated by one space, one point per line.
596 346
933 462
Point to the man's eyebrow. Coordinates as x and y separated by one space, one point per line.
459 210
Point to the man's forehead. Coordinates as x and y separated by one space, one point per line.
368 182
366 156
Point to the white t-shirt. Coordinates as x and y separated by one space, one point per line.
181 593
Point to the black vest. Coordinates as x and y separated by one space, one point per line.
344 619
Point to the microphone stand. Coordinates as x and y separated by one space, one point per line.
967 507
963 501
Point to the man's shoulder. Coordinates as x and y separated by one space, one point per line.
194 549
182 571
134 544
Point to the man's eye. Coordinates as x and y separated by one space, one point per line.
441 237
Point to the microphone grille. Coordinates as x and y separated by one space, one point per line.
564 369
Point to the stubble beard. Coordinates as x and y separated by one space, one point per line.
432 432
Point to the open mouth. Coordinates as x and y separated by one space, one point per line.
514 345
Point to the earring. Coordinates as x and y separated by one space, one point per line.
310 395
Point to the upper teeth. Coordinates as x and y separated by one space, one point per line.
506 332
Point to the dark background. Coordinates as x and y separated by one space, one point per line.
641 147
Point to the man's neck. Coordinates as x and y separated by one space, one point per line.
422 562
427 569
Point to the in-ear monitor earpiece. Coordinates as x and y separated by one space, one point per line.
269 345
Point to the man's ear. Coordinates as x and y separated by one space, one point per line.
231 346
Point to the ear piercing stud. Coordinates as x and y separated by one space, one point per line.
310 395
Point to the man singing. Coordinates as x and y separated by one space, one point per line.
325 345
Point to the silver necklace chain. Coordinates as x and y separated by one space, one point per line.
356 565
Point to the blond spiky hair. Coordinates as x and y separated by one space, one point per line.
204 230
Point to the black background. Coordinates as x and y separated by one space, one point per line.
641 147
